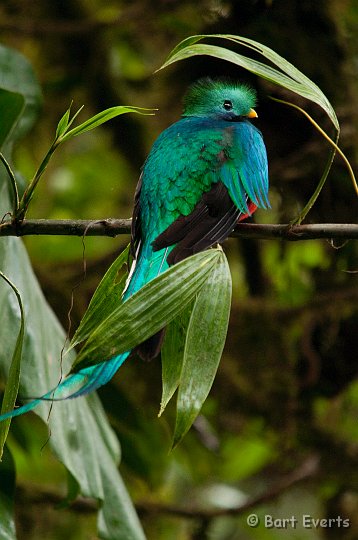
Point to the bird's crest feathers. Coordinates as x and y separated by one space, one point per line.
219 98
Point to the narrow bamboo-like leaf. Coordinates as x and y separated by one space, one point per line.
63 123
91 123
172 354
204 344
148 310
103 117
12 385
286 75
104 300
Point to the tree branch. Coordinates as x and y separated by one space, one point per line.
113 227
308 469
66 227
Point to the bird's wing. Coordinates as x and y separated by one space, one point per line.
245 173
211 221
238 186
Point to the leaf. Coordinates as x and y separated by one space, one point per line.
12 386
81 437
105 298
204 344
63 123
101 118
11 105
172 354
20 99
7 492
112 522
287 76
63 135
147 311
17 76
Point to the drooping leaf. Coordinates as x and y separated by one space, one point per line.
20 99
11 105
148 310
204 344
287 75
105 298
17 76
12 386
172 354
81 437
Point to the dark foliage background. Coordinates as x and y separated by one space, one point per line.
286 393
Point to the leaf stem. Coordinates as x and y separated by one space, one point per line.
28 194
336 148
12 182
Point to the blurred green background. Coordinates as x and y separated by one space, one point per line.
286 392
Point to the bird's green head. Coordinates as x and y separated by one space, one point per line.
220 99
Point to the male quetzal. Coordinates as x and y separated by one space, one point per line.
204 173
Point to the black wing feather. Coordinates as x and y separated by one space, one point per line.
211 221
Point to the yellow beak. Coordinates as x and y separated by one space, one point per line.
252 113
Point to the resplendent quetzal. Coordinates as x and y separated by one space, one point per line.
204 173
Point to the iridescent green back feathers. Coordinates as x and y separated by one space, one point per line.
221 99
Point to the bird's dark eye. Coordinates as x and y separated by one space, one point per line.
227 105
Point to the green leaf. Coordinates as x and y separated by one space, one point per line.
287 75
101 118
7 492
172 354
204 344
81 437
62 129
11 107
104 300
20 98
117 519
63 123
147 311
17 76
12 386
